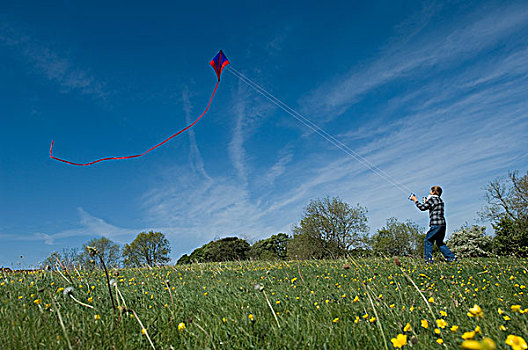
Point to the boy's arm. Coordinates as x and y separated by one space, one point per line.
423 206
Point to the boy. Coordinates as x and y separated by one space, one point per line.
437 225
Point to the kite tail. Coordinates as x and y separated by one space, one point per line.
141 154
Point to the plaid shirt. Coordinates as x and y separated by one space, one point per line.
436 210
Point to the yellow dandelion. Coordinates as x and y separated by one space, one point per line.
424 324
516 342
399 341
499 310
515 308
431 300
488 344
454 328
437 331
37 301
443 313
251 317
97 317
440 341
475 311
441 323
181 326
372 319
407 327
471 345
468 335
336 319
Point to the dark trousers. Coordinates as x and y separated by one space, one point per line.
436 234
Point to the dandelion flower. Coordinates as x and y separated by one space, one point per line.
431 300
441 323
335 320
471 345
515 308
454 328
399 341
181 326
251 317
468 335
97 317
475 311
516 342
407 327
425 324
67 291
440 341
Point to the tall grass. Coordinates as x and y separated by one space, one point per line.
333 304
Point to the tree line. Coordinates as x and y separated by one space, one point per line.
147 249
331 228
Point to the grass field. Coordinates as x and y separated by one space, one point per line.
363 304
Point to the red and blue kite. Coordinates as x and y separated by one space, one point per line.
218 63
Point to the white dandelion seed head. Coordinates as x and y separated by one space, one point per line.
67 291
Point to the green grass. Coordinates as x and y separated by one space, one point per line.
314 303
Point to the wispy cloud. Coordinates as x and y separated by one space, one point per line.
195 155
50 62
441 49
89 226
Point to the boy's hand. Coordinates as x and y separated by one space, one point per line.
413 198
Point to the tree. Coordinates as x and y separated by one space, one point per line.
67 258
304 246
272 248
333 226
150 248
397 238
511 237
225 249
470 242
508 212
109 251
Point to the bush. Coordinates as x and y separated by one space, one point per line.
470 242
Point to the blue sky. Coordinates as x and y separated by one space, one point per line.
429 92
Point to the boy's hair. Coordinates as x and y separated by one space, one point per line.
437 190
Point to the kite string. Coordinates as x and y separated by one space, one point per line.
147 151
321 132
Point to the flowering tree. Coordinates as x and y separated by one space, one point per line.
470 242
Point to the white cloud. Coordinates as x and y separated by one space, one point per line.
50 62
440 50
89 226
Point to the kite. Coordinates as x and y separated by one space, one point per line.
218 63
